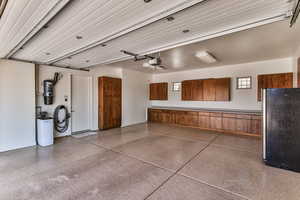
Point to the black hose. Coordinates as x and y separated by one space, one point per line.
63 125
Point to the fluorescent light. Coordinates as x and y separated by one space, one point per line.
206 57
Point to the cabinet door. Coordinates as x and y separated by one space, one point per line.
284 80
223 89
186 90
243 125
153 91
256 125
162 91
215 121
229 122
158 91
204 121
197 90
192 119
209 90
166 116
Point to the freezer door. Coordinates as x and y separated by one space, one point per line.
282 136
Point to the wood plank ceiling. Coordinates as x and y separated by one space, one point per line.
88 32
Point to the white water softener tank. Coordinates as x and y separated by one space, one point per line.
45 131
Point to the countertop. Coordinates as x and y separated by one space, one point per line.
252 112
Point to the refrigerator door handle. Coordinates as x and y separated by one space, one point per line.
264 122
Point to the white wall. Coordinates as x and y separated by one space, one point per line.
17 105
134 92
295 66
98 72
240 99
62 89
135 97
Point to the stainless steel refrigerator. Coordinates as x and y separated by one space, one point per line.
281 128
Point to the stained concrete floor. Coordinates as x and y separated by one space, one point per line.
145 161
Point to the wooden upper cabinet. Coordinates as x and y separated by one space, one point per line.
186 90
223 89
283 80
159 91
197 90
209 90
206 90
192 90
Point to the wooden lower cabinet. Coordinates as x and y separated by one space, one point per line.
236 123
215 121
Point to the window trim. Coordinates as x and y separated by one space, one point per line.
173 86
237 83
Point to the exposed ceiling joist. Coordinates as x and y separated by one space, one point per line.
21 20
2 6
209 19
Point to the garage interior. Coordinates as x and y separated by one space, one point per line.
145 99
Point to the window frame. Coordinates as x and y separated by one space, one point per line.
237 83
173 83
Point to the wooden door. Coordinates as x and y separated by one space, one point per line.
110 102
223 89
209 90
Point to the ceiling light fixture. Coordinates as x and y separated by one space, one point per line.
206 57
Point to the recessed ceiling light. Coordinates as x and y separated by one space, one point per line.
170 18
206 57
186 31
78 37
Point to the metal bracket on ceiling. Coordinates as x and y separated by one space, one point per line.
295 14
137 57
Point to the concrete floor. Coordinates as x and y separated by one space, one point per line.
146 161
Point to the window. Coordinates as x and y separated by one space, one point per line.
176 86
244 82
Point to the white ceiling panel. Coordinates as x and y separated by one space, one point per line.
205 20
96 22
22 19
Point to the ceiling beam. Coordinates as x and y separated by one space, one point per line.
202 38
186 4
35 29
2 6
